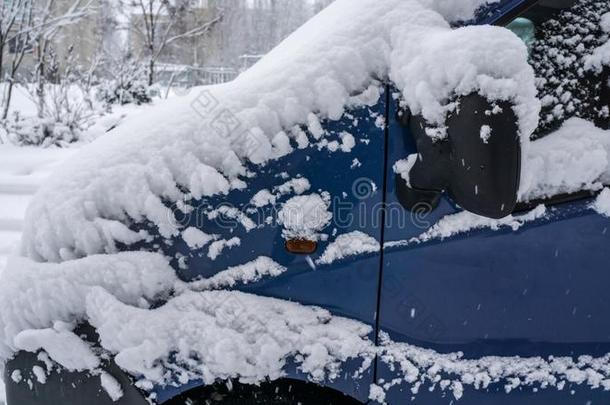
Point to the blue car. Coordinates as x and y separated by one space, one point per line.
525 282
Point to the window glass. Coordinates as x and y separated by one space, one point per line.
525 29
559 35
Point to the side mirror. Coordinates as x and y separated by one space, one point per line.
478 165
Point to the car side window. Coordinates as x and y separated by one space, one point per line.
560 34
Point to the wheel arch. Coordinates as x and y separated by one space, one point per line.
287 389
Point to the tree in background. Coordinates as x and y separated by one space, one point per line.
154 22
49 20
17 18
12 16
30 26
49 61
251 27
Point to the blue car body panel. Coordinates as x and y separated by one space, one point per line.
538 291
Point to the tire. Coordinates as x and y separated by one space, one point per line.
286 392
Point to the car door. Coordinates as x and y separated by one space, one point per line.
530 287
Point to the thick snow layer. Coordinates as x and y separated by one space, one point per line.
599 59
601 55
348 244
303 217
198 146
37 296
222 335
574 158
445 67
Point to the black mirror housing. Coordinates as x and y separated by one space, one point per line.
478 164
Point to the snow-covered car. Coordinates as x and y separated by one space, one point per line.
404 202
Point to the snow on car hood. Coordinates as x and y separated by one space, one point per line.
332 63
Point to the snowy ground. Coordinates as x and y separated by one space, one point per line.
22 171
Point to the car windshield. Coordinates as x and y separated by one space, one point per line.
549 30
525 29
527 25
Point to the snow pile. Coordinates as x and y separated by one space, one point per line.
196 334
602 203
303 217
349 244
37 296
217 247
574 158
223 335
494 64
132 176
